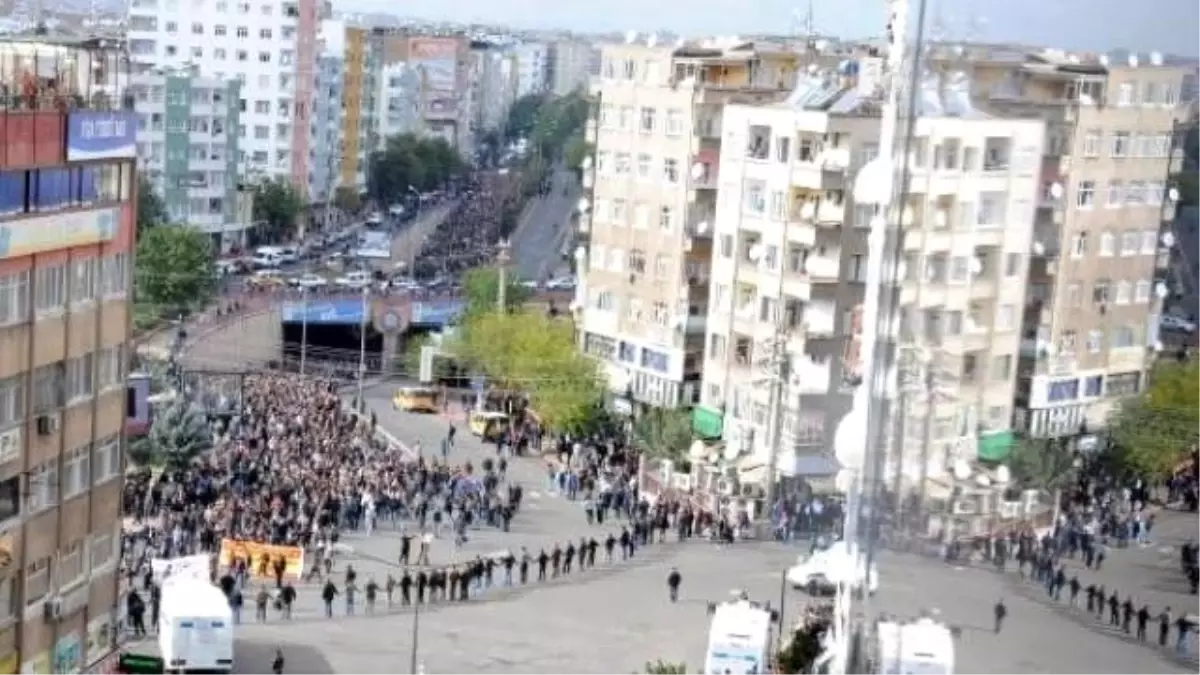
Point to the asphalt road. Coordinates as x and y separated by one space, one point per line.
538 240
407 242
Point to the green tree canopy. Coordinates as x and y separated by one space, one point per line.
576 150
522 116
531 352
1042 464
663 433
277 203
1153 432
179 434
174 271
661 667
481 286
410 161
151 211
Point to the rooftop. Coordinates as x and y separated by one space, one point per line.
53 72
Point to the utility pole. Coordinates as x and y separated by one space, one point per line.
303 329
502 259
778 367
362 345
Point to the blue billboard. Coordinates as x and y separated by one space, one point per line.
436 313
331 313
93 134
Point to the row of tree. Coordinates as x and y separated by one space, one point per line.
552 128
173 272
409 163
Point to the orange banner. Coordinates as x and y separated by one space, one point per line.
261 558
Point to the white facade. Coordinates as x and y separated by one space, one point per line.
572 65
532 68
262 43
324 166
492 84
789 260
399 100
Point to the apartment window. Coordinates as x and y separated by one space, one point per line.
37 581
1085 195
637 261
666 219
661 316
262 107
14 298
106 460
1095 341
110 368
1155 192
620 213
42 487
1079 244
70 568
1002 367
1126 94
716 347
219 54
48 388
1006 317
1119 146
1108 244
243 32
103 550
83 280
646 120
596 258
1135 195
625 117
197 29
674 122
1131 243
262 132
623 164
783 149
1116 194
641 216
960 269
633 313
671 170
172 27
1092 142
662 266
264 57
50 285
756 197
219 30
1074 294
726 245
1124 293
77 471
115 275
1123 384
1012 264
81 377
264 33
992 207
1102 292
1123 337
1066 342
1141 292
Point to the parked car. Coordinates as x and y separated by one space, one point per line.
1179 324
822 571
355 280
266 279
309 281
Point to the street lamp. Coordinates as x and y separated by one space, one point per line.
502 259
362 344
303 329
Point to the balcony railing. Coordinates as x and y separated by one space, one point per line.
64 75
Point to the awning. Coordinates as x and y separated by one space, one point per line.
707 423
995 447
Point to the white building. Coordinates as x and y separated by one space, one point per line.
325 150
572 64
268 45
532 62
492 86
789 262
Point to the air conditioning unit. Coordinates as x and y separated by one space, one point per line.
53 609
46 425
965 507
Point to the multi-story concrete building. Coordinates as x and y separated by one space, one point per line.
532 60
68 195
325 147
269 45
361 115
188 143
1091 321
571 65
440 67
789 265
644 290
492 85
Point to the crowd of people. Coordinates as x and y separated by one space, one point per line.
469 236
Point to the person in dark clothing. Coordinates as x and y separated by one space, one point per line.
1127 615
542 559
1073 586
287 598
568 557
328 593
1164 626
1091 598
999 613
673 581
555 561
422 583
610 542
1143 618
524 568
277 664
1114 610
406 583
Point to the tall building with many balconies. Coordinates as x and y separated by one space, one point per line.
1096 283
268 45
643 294
789 266
68 196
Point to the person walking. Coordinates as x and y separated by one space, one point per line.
673 581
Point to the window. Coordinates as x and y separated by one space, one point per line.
104 550
1006 317
83 280
219 30
1074 294
992 209
641 216
1066 342
644 162
1092 141
1135 194
1093 386
14 298
106 460
70 567
671 170
37 580
661 316
1155 192
42 488
1123 337
1095 341
50 285
637 261
48 390
1124 293
1131 242
666 219
1102 292
1002 367
197 29
625 117
633 313
783 149
726 246
662 266
622 164
1124 384
1108 244
1141 292
264 33
674 122
620 213
1116 194
1119 146
171 27
12 402
262 107
1012 265
77 471
115 275
1085 195
243 32
81 377
1079 244
1126 94
602 163
646 120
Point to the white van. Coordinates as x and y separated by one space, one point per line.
195 627
267 256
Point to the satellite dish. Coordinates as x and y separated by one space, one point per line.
1039 248
698 171
961 469
586 163
1133 60
702 227
982 480
1156 58
1157 346
820 45
697 450
730 452
976 265
1003 475
651 39
583 205
1168 239
630 37
1160 289
813 69
580 252
1173 194
808 211
756 252
1104 60
1056 190
1051 349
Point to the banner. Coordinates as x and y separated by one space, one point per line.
262 557
95 134
188 566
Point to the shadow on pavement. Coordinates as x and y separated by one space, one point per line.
257 657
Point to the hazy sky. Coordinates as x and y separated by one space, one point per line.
1142 25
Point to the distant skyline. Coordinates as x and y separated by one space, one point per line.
1167 26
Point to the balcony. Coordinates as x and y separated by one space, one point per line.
818 319
808 376
831 212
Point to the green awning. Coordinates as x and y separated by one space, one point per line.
995 447
707 423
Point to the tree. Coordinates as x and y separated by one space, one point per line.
481 288
347 199
663 433
408 162
1153 432
151 211
576 150
661 667
277 203
522 116
174 269
179 434
1042 464
532 352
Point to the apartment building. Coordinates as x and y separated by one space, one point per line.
360 117
188 142
439 66
644 291
68 187
789 265
492 86
1091 317
571 64
269 46
533 62
324 154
